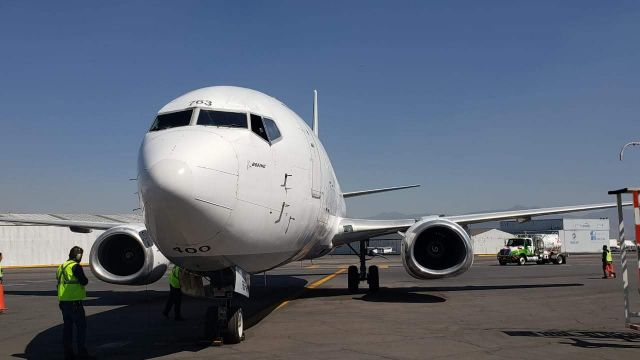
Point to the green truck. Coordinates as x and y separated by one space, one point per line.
541 249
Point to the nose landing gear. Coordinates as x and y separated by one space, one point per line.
354 277
224 322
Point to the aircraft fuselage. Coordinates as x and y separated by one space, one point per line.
216 194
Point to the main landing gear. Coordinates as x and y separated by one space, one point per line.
224 323
355 277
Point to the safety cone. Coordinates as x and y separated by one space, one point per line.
3 308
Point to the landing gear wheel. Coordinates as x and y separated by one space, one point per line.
373 279
522 260
353 279
235 328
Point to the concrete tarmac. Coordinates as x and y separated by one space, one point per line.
305 311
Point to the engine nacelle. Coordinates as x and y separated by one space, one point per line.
436 248
126 255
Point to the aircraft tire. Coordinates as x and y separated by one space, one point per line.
353 278
235 327
373 278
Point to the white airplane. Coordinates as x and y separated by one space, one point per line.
232 182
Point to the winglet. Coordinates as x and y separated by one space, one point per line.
374 191
315 112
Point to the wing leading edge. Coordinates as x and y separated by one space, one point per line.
72 224
351 230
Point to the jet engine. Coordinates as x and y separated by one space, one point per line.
126 255
436 248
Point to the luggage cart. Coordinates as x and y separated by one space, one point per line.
629 315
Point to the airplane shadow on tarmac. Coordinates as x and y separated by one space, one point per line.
587 339
137 330
415 294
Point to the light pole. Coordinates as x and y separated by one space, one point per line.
633 143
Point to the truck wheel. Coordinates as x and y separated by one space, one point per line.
560 260
540 262
503 263
522 260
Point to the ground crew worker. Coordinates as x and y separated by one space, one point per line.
175 294
607 263
71 292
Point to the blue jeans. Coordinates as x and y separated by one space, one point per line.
73 314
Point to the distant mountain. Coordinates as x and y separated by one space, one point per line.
611 214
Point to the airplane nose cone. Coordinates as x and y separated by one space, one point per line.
188 184
171 177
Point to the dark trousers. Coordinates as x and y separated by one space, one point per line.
73 314
175 299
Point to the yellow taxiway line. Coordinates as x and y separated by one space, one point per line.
313 285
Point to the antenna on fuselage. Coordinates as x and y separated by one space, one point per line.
315 112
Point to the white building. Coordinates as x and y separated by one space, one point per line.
576 235
37 245
488 241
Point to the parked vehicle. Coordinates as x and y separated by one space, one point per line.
379 250
628 245
538 248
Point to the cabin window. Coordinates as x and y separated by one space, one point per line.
258 127
222 118
272 129
171 120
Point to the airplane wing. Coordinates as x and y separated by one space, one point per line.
73 225
351 230
375 191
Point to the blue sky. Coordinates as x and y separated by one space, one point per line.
488 105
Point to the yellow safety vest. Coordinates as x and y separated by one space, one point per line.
174 277
609 256
69 289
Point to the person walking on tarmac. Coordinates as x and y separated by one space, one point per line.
71 292
175 294
607 263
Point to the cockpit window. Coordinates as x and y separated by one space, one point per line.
171 120
257 127
222 118
272 129
265 128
